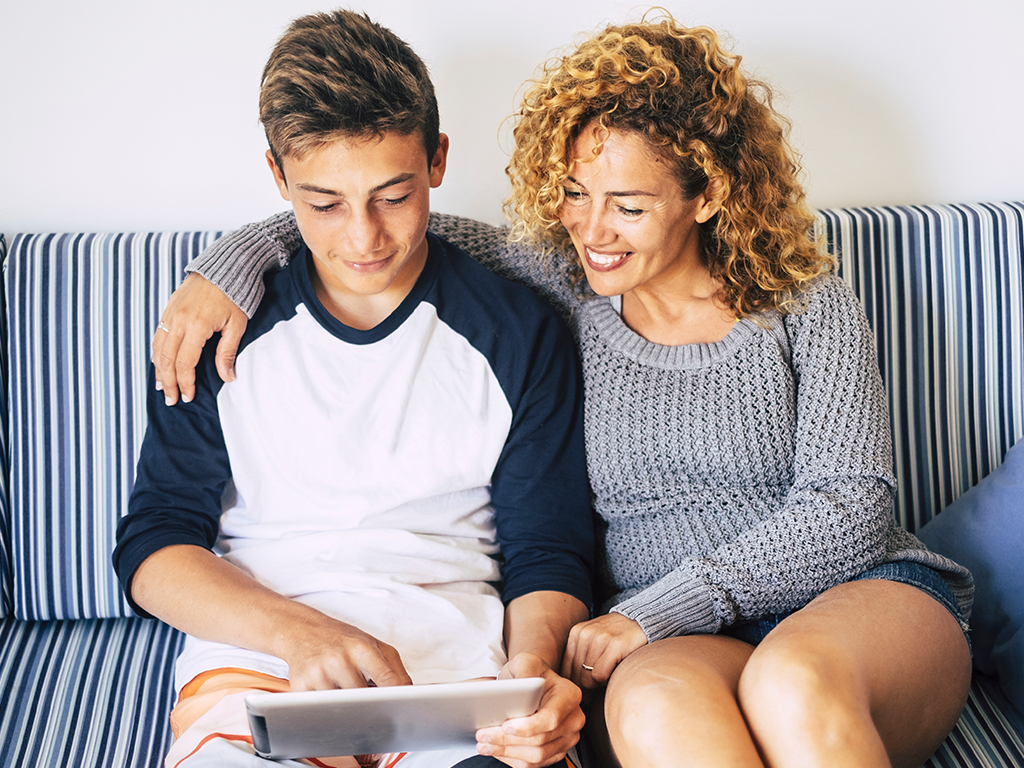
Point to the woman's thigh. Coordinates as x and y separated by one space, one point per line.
885 651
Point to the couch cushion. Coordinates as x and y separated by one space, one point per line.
984 530
86 693
942 287
987 735
81 310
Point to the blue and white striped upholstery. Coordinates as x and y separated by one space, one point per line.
83 309
989 734
88 693
80 313
5 543
942 287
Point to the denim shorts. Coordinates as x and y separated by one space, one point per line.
903 571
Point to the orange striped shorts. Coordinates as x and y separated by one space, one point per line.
212 706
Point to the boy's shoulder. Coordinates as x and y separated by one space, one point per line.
462 278
284 290
517 332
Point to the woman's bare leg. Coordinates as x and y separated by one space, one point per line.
674 702
871 673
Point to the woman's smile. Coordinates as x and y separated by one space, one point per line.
605 262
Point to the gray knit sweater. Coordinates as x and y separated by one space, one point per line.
734 479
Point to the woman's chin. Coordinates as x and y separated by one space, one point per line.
607 284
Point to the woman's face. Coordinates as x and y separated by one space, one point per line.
626 215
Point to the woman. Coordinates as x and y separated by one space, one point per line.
761 605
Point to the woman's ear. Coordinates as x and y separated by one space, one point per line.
711 199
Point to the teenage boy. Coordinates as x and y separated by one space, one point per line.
394 485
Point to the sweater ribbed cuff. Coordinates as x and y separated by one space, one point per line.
678 604
236 262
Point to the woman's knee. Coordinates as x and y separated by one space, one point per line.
674 702
663 679
800 686
878 659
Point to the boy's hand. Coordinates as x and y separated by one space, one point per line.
338 655
196 311
545 736
208 597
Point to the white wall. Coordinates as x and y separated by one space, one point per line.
140 114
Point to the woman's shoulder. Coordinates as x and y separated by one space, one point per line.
826 298
482 241
827 321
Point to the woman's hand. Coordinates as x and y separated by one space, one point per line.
545 736
196 311
596 647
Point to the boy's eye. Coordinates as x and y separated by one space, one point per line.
396 201
322 208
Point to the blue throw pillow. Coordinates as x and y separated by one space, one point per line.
984 531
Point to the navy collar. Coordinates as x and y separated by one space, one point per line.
382 330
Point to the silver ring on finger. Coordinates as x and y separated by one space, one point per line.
589 669
163 327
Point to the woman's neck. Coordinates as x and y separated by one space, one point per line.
688 310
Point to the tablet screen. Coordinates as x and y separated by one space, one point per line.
361 721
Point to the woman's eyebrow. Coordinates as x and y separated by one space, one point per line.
630 193
624 193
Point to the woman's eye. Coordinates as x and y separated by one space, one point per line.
631 212
573 195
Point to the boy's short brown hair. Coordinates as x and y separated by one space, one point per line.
338 75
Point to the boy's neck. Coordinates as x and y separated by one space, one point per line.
364 312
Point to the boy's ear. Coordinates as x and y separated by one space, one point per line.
439 161
279 179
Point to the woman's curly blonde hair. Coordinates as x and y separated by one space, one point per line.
686 95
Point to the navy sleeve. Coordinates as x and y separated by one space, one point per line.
182 472
540 490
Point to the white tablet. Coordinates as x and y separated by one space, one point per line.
366 721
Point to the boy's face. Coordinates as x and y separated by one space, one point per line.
361 205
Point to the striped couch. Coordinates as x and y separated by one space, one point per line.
84 683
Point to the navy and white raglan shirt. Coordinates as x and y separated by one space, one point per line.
408 479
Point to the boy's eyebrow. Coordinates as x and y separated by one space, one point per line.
399 179
624 193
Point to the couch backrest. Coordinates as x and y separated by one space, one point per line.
81 310
942 287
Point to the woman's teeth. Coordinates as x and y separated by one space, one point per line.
605 259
